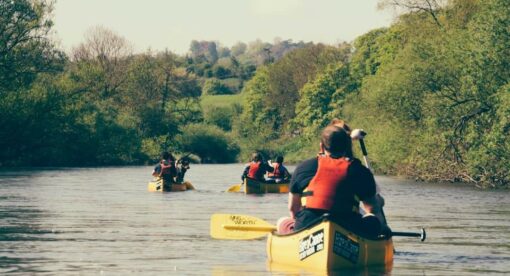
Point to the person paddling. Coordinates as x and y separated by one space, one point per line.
358 135
182 168
280 172
257 168
335 183
166 169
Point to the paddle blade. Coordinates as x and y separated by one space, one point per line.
235 188
189 186
239 227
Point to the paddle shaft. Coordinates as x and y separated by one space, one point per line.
365 153
405 234
422 235
262 228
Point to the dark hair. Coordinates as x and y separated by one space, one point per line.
279 159
336 140
256 156
166 155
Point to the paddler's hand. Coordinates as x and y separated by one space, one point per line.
358 134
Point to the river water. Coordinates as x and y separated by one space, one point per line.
102 221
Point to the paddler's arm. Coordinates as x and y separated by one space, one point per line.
370 205
294 204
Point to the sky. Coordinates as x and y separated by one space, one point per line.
173 24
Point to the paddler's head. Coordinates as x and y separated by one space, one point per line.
335 141
167 156
256 157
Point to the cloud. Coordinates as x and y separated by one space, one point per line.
276 7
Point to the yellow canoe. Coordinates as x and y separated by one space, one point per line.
252 186
157 186
328 246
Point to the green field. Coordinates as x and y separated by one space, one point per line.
220 100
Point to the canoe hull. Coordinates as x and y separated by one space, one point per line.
156 186
328 246
252 186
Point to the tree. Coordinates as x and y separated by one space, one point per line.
238 49
101 61
430 7
215 87
25 49
209 142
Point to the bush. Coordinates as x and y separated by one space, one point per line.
209 142
215 87
220 116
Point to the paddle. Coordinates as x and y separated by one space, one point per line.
239 227
360 135
422 235
244 227
235 188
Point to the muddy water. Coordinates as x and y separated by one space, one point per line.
103 221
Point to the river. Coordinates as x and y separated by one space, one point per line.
102 221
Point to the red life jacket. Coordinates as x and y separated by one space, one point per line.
254 168
276 173
324 187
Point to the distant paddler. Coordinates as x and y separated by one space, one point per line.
166 170
280 173
257 168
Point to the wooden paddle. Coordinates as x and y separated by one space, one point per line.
239 227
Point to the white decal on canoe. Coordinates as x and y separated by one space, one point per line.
345 247
311 244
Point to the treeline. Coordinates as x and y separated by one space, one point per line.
432 91
103 104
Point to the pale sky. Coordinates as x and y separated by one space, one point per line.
172 24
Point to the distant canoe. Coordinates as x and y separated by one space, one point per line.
157 186
252 186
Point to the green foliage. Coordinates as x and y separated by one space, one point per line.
215 87
443 89
272 94
25 49
321 100
221 116
208 142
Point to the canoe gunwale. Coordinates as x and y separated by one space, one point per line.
255 186
324 218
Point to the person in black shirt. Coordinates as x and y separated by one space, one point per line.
334 183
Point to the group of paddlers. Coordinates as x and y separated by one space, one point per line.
268 172
333 182
170 170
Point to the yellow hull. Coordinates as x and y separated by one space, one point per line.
157 186
328 246
252 186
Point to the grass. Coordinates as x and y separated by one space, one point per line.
220 100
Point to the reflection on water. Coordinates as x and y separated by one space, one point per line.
102 220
